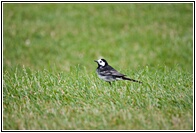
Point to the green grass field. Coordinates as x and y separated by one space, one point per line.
49 79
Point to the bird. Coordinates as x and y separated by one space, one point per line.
108 73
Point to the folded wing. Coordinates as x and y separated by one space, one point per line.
109 71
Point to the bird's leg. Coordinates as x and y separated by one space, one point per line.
109 83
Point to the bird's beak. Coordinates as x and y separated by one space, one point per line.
95 61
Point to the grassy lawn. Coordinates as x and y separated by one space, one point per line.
49 79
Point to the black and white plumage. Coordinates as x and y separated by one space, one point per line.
108 73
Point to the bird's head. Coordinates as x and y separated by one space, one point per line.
101 62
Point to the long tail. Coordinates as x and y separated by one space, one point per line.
124 78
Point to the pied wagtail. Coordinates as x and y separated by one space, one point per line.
108 73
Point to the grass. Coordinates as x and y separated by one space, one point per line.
49 79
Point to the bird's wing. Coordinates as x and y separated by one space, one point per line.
116 73
109 71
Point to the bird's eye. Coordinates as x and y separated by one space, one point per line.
100 61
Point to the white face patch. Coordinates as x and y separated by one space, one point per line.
102 63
